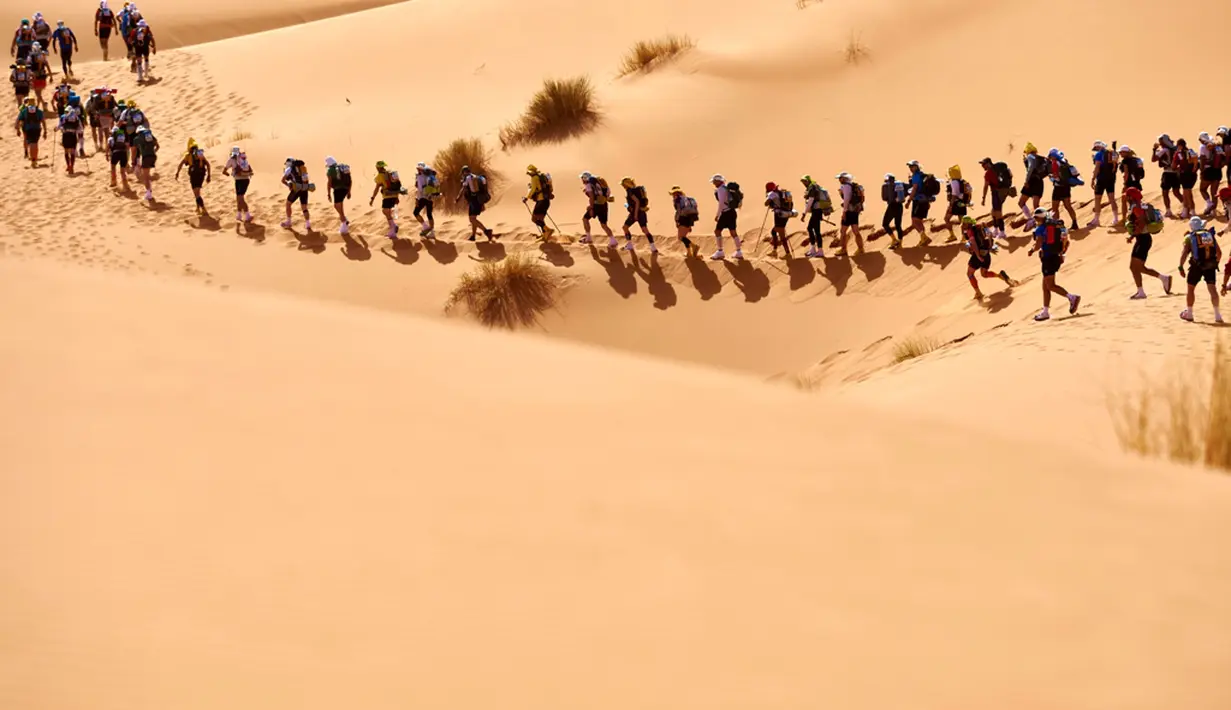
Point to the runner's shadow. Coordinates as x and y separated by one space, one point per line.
997 301
355 248
556 254
252 231
871 263
752 281
622 279
490 251
704 279
442 252
802 272
150 81
310 241
660 288
205 222
402 251
156 206
837 271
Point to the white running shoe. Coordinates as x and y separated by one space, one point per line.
1166 279
1137 296
1218 318
1186 315
1042 315
1169 214
628 246
286 224
653 248
739 254
718 256
613 242
345 228
149 195
239 216
1094 224
810 253
818 254
307 225
585 239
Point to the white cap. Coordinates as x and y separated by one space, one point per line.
912 163
890 176
585 175
421 166
1125 149
1204 137
1196 223
141 23
235 150
1099 145
330 162
718 178
843 176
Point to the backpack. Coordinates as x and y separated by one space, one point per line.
820 199
28 116
25 34
1004 175
1053 237
1073 173
602 193
1040 169
787 200
342 178
856 197
145 145
395 183
20 77
1135 168
889 192
931 186
687 208
639 191
483 195
968 192
735 196
547 190
1204 248
136 117
982 242
105 16
72 119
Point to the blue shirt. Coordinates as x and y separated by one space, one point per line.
916 182
65 37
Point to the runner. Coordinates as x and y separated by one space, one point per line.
1063 179
104 22
1210 161
427 190
819 206
598 195
117 147
959 196
474 190
42 72
1105 167
64 42
541 192
1032 188
979 242
23 40
31 124
132 118
1134 171
42 32
147 153
1142 222
198 173
852 204
126 24
686 215
923 190
1051 240
70 126
1204 255
92 110
59 97
730 198
389 186
637 201
237 167
141 39
74 102
21 77
295 178
998 180
1162 154
339 179
780 202
1184 160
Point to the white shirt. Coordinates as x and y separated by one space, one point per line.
847 190
955 188
723 196
470 184
239 168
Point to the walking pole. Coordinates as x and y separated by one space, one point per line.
531 213
761 232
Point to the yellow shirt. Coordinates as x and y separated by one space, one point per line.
536 187
386 184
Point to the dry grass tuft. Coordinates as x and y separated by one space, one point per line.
562 109
856 51
645 56
508 293
212 142
448 165
913 347
1185 416
238 136
804 4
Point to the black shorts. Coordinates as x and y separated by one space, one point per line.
1198 273
726 220
850 219
120 158
1188 180
687 222
22 91
68 139
67 55
339 194
597 211
957 209
142 51
1132 182
1105 186
998 195
388 203
23 53
1051 263
300 196
1170 181
104 32
781 220
93 119
975 262
640 219
1141 246
241 186
541 207
423 204
32 135
1033 187
149 161
474 208
1211 174
918 210
196 179
1061 192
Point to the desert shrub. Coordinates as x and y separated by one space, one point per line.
856 51
238 136
646 55
562 109
913 346
508 293
448 165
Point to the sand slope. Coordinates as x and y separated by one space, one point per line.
214 500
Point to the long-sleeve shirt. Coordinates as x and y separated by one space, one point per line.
723 195
536 188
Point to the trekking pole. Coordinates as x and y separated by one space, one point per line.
531 213
761 232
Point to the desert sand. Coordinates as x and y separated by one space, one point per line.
258 468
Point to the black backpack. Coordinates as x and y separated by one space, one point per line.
342 181
1135 168
640 192
889 192
735 196
856 197
931 186
547 190
1003 174
483 195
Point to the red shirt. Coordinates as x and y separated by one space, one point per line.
992 179
1139 220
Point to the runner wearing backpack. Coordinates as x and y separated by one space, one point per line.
1032 189
779 201
70 126
1142 221
959 195
475 191
338 178
1184 161
819 205
31 124
730 198
1061 173
923 189
104 21
541 192
1105 170
23 41
389 186
147 157
1133 169
686 215
1051 241
198 173
852 205
1210 163
979 243
998 180
598 196
1163 152
1204 255
237 168
638 202
427 188
64 43
295 178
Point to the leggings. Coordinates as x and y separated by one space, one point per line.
66 60
893 215
814 228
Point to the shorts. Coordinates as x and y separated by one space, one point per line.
597 211
298 195
196 180
1198 273
142 52
958 209
640 219
149 161
23 53
241 186
686 222
32 135
541 207
1171 181
780 221
1103 186
67 55
1033 187
423 204
21 91
1061 192
474 208
1211 175
918 210
104 32
1141 246
94 122
339 194
1188 180
727 220
68 139
388 203
850 219
120 158
1132 182
998 196
976 263
39 84
1051 263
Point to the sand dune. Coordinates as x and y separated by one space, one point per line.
283 508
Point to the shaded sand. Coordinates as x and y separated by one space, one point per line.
219 500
